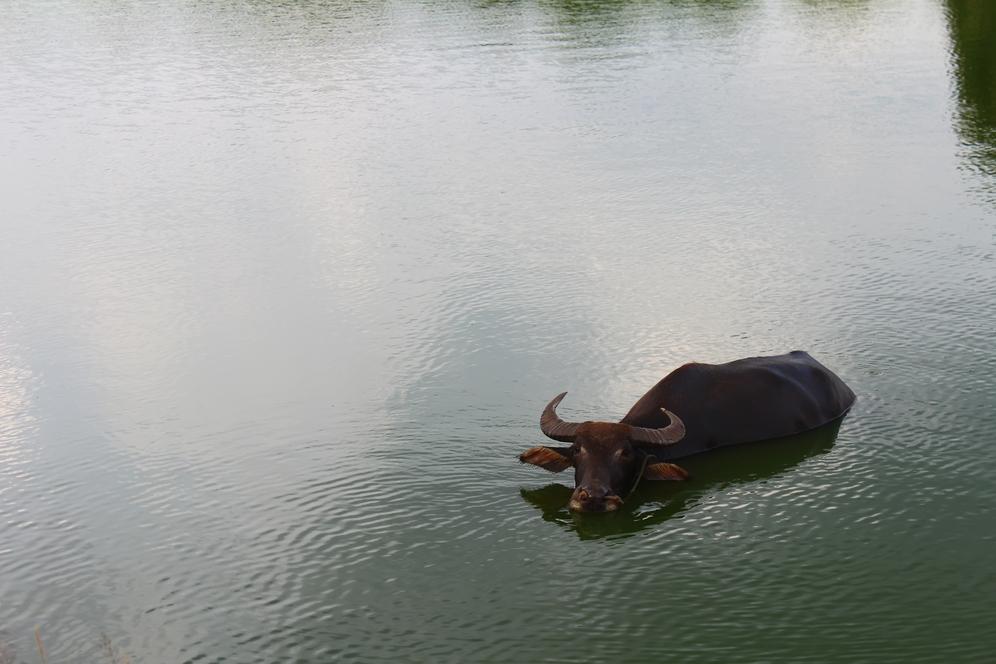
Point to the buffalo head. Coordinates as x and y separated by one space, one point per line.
608 458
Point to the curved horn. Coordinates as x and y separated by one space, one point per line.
668 435
554 427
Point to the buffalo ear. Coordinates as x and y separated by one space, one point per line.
554 459
664 471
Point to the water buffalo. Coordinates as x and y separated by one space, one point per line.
695 408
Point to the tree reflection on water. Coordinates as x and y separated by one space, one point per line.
972 26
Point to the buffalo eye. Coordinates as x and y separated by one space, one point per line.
625 454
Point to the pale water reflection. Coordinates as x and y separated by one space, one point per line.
285 285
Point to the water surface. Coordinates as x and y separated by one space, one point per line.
285 286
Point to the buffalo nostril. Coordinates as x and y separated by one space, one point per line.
583 495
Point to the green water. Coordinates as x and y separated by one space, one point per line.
284 287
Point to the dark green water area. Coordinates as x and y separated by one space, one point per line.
284 287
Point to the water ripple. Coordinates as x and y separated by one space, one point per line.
286 285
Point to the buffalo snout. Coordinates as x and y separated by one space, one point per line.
585 499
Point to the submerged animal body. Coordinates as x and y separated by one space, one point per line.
695 408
